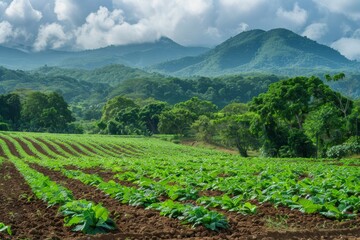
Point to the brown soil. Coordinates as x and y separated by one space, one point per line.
128 150
112 150
102 150
11 147
39 148
25 147
119 150
28 217
51 147
87 148
268 223
65 148
78 150
133 222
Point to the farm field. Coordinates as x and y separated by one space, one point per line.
73 186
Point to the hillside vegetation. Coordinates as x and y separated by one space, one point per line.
277 51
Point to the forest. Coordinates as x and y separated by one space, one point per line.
294 117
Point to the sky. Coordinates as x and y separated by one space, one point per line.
91 24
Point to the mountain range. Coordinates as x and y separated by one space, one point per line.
278 51
134 55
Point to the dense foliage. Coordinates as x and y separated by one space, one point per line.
36 112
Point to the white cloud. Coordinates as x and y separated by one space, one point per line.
242 27
243 6
297 16
51 36
349 8
316 31
5 31
99 27
65 10
349 47
21 11
188 22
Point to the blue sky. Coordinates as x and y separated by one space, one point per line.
89 24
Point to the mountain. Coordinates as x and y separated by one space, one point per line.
135 55
278 51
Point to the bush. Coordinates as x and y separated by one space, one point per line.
343 150
338 151
4 126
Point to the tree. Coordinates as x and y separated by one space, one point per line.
204 128
10 109
176 121
235 131
284 108
324 126
235 108
150 115
114 106
45 112
198 107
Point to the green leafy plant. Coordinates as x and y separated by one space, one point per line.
168 208
87 217
201 216
6 228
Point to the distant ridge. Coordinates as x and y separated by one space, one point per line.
278 51
134 55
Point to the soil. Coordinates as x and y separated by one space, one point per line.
30 218
102 150
78 150
11 147
65 148
39 148
25 147
51 147
27 216
268 223
87 148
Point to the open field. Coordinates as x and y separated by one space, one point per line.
153 189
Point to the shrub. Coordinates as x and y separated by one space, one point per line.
343 150
4 126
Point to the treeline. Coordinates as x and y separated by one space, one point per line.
35 112
219 90
297 117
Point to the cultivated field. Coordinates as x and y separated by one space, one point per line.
145 188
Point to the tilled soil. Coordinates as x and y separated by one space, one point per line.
39 148
28 217
11 147
51 147
133 222
268 223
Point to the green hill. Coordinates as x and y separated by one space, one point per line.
278 51
112 74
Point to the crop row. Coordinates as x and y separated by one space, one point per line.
82 215
166 177
147 197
